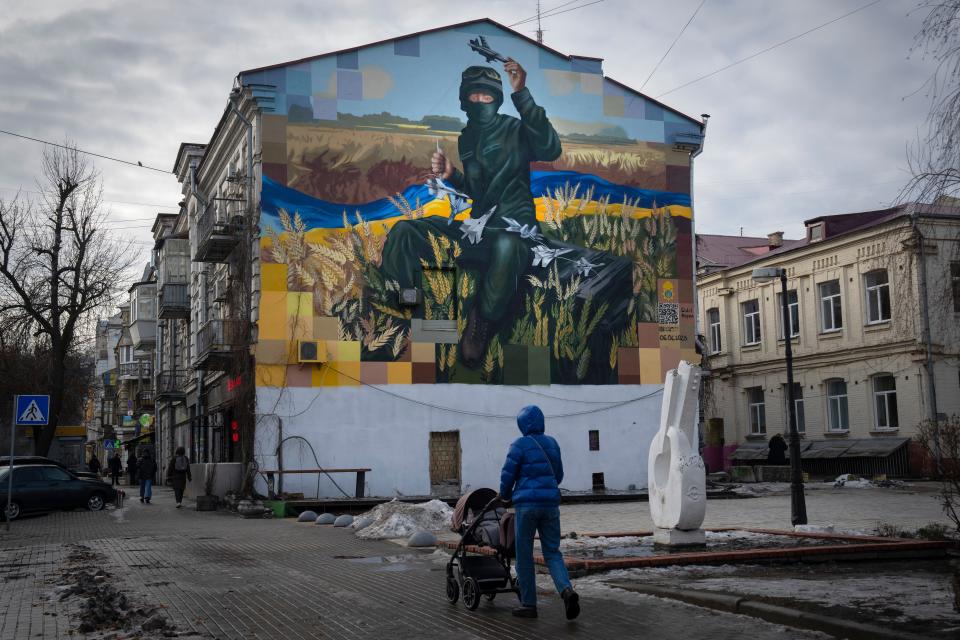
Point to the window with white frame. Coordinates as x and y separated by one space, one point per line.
885 401
751 322
713 325
838 418
126 354
878 296
797 406
793 313
831 316
757 410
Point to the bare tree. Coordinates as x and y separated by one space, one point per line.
58 267
935 158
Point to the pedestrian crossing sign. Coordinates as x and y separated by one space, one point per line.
33 410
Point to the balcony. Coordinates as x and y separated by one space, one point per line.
144 400
218 343
218 231
173 301
139 370
143 316
171 385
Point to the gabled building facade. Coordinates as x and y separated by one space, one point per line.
384 272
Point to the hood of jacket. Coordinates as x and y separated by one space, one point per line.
530 420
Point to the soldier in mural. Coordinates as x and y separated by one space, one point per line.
496 151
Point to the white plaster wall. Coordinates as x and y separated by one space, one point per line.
387 429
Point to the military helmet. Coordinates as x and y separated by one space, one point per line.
483 79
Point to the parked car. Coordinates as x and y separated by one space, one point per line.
19 460
47 487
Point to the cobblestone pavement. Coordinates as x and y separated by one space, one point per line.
221 576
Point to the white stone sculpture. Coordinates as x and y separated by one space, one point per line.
676 478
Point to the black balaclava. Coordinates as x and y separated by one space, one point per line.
481 80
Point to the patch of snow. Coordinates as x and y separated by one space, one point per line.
602 542
829 528
397 519
848 480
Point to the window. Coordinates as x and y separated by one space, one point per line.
55 474
713 322
955 283
598 482
816 232
27 475
757 411
831 316
594 438
885 401
793 311
837 417
878 296
126 354
797 406
751 322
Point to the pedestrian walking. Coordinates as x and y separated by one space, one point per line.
178 470
531 478
94 464
132 467
778 450
146 469
116 468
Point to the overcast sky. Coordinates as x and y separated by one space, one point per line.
815 127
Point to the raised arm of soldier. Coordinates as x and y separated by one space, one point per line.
542 137
441 165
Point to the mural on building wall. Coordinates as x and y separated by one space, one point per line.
465 206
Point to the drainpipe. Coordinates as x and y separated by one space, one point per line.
693 270
925 317
201 373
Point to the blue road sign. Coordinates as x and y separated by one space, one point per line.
33 410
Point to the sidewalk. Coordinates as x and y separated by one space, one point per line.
217 575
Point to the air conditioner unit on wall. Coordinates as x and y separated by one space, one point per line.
219 291
311 351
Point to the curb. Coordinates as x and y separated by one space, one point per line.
771 613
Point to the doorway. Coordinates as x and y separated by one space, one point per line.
445 463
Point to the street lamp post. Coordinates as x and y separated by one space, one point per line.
798 505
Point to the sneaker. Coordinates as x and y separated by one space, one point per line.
148 500
178 505
571 603
141 499
525 612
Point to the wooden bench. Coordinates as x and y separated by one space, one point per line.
361 477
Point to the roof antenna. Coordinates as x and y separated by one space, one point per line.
539 30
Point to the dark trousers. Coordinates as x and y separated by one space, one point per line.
115 478
178 493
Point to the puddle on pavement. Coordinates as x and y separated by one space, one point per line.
383 563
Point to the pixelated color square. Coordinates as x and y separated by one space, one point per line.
298 80
538 365
273 351
669 359
632 378
650 366
321 376
273 277
275 152
373 372
423 352
648 335
690 355
274 129
628 361
271 375
300 375
654 112
562 83
349 85
678 179
348 351
275 171
399 373
613 106
326 328
273 319
584 65
685 292
550 60
591 83
348 373
424 373
515 364
684 267
300 315
407 47
348 60
323 108
633 107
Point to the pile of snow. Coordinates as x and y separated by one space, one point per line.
397 519
602 542
852 481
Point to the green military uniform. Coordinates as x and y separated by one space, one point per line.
496 151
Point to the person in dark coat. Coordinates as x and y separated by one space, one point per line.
94 464
178 470
147 469
531 478
132 467
778 450
116 468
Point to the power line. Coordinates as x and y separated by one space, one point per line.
89 153
556 13
139 204
540 14
675 40
770 48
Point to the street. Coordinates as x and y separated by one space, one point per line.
217 575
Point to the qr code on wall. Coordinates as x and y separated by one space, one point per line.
668 313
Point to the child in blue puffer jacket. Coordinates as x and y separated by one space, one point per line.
531 478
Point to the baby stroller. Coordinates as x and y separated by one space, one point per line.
481 520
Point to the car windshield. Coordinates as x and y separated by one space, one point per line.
3 477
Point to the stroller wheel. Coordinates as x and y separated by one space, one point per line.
453 590
471 594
